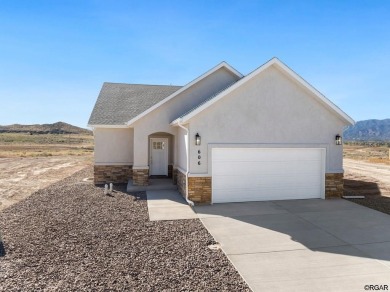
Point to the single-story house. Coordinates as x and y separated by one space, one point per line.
223 137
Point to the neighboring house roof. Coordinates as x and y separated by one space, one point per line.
275 61
118 102
185 87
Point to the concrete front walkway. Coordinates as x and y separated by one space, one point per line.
168 205
155 184
303 245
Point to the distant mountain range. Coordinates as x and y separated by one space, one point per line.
368 130
56 128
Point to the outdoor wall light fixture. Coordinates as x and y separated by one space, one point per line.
339 140
197 139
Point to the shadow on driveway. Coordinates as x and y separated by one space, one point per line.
320 245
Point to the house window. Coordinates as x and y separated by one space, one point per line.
158 145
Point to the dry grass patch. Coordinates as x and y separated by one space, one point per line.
12 151
24 138
44 145
373 154
379 160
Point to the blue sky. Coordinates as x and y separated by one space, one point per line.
55 55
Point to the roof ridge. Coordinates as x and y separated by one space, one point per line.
106 82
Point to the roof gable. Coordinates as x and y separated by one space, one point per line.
273 62
185 87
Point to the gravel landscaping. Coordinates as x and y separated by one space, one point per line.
379 203
376 194
72 237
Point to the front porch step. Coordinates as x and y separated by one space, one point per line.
155 184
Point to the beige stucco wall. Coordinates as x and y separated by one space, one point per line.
159 119
113 146
270 110
182 141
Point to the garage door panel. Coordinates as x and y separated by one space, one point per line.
226 168
264 184
255 174
246 154
264 174
249 195
236 181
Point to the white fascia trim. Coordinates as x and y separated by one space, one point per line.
185 87
109 126
177 121
295 76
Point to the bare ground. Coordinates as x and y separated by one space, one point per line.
20 177
374 173
369 179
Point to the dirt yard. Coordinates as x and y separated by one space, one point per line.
367 170
375 174
367 173
20 177
32 162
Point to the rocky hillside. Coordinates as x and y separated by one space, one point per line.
368 130
56 128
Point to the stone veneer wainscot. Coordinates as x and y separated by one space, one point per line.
112 173
334 185
141 177
199 188
181 182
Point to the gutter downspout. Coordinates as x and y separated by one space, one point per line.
191 203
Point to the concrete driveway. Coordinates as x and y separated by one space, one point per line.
303 245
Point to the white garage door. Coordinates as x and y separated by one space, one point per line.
261 174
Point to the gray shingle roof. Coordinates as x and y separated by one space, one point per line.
209 98
118 102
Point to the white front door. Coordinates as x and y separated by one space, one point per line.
158 156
